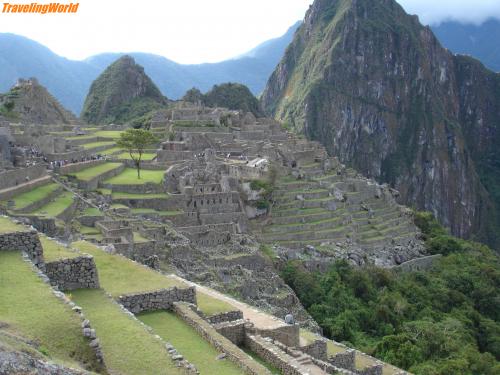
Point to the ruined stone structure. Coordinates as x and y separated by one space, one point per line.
73 273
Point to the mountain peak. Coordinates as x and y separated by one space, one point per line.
123 91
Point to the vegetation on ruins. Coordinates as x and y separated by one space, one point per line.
136 141
122 93
233 96
441 321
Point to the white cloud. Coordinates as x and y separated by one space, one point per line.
433 12
187 31
193 31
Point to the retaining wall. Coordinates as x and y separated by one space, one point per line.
16 190
16 177
73 273
162 299
24 241
233 353
77 167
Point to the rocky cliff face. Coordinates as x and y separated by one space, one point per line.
377 88
30 103
122 92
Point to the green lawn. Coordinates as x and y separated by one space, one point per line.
146 156
122 195
119 275
89 173
189 343
31 310
53 251
127 346
88 146
7 226
111 151
32 196
57 206
92 211
129 177
114 134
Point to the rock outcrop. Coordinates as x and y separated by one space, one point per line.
121 93
379 91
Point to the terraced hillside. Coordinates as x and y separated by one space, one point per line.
326 210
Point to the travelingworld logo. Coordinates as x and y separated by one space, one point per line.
40 8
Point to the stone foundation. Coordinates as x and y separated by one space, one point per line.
225 317
73 273
234 331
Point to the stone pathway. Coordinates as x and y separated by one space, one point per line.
260 319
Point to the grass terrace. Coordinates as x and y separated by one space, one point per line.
122 195
89 146
119 275
25 199
92 211
189 343
146 156
113 134
129 177
30 309
57 206
139 211
90 173
111 151
53 251
8 226
127 346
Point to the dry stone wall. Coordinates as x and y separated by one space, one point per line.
73 273
27 242
221 343
163 299
77 167
16 177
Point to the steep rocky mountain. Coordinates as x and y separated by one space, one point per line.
30 103
122 92
381 93
70 80
228 95
480 41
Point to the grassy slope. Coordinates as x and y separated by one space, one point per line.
127 346
129 177
29 197
57 206
89 173
30 309
53 251
6 226
185 339
119 275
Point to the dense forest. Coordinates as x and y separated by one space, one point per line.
442 321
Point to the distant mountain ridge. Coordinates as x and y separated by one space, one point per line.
479 41
70 80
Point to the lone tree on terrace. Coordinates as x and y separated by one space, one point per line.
135 141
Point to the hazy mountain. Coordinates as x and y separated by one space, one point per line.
70 80
480 41
381 93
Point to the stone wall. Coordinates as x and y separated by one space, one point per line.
94 183
287 334
222 344
16 190
317 349
135 188
344 360
73 273
228 316
16 177
418 264
41 202
162 299
24 241
77 167
234 331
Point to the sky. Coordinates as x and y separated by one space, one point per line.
193 31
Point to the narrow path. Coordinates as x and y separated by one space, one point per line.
258 318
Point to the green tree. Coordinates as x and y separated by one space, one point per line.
135 142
